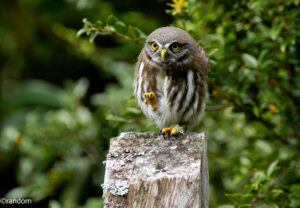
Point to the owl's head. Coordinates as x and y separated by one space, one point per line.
168 45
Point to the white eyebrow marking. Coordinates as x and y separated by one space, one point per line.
157 43
167 45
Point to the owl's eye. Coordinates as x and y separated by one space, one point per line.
175 46
154 46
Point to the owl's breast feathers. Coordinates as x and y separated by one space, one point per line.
180 95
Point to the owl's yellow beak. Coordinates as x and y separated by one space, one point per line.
163 52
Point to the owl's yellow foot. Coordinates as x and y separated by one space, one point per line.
150 97
173 130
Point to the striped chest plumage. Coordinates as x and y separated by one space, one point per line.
179 97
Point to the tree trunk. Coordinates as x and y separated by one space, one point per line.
145 170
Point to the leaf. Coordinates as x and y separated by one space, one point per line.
240 198
249 60
272 168
99 23
258 178
80 88
109 28
17 192
111 117
273 205
132 32
133 110
86 22
54 204
82 31
212 52
140 33
262 55
266 64
233 197
247 198
111 20
275 31
295 203
93 36
212 62
276 192
121 27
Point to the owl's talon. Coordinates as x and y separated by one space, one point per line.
166 136
173 130
167 131
150 98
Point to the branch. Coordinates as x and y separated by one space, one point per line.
113 33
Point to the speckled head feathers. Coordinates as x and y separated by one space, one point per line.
173 34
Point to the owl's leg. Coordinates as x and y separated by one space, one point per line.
173 130
150 97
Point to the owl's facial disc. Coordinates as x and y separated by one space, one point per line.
166 53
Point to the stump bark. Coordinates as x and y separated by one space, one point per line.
145 170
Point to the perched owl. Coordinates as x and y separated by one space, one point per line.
171 79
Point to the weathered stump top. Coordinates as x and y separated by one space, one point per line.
147 170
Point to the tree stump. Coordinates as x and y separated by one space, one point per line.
145 170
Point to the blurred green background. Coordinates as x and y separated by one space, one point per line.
62 97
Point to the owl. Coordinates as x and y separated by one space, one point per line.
171 80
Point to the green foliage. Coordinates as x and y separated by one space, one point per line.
55 133
57 147
113 27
